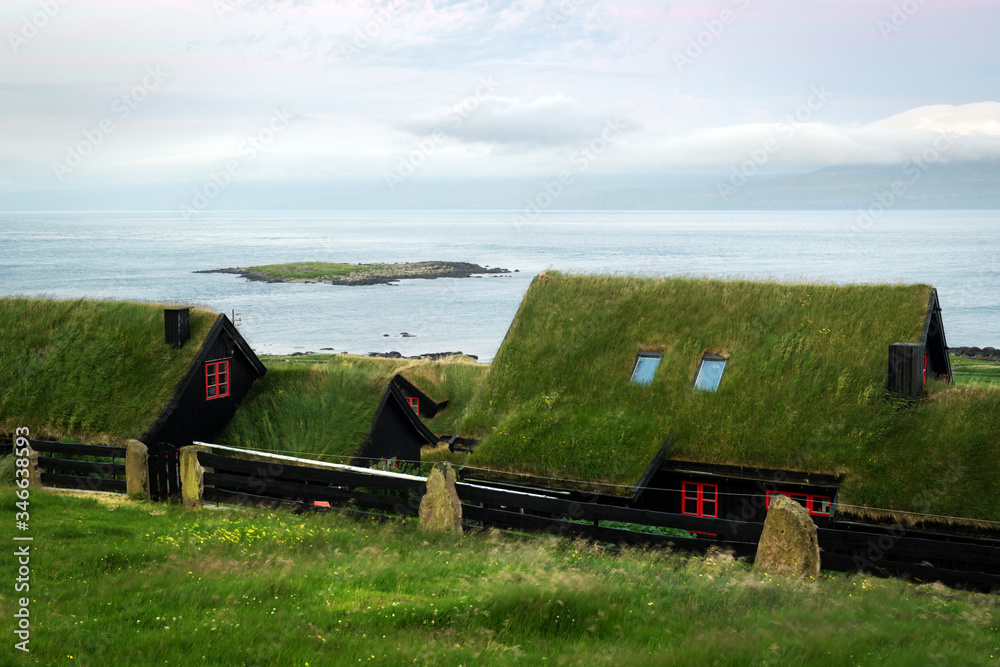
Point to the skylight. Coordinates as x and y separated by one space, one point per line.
645 367
709 372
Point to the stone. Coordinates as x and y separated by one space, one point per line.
788 545
137 469
440 508
34 472
192 476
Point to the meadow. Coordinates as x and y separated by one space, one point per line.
123 582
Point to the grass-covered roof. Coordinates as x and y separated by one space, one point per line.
323 405
804 389
91 371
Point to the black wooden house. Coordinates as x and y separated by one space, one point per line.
206 398
726 349
421 403
911 364
397 431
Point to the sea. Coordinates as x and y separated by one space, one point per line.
154 256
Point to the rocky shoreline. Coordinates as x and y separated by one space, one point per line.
984 353
375 274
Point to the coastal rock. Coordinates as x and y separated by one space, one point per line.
788 545
985 353
437 356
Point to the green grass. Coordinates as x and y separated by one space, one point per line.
313 270
804 389
323 405
966 371
92 371
149 582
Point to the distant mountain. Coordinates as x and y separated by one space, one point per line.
967 185
938 186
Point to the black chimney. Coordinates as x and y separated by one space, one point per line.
177 323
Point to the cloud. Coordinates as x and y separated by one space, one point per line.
972 130
966 119
556 120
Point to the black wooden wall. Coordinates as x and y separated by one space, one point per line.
191 416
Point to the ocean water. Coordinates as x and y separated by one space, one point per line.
153 256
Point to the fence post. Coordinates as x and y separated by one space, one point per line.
192 476
34 472
137 470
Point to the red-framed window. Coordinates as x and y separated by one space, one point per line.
817 505
699 499
216 379
414 403
925 369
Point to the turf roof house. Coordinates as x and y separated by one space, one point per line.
105 372
397 431
222 373
707 397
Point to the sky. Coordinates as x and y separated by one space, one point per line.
189 97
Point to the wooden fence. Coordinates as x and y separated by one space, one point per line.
101 472
951 559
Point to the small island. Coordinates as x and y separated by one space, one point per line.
357 274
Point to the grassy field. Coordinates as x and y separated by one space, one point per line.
133 583
966 371
313 270
804 389
93 371
323 405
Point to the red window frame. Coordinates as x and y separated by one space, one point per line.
414 403
925 369
816 504
217 379
696 502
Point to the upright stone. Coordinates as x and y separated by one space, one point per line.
788 545
34 472
440 508
192 476
137 469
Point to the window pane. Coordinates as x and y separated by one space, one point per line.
708 493
690 506
644 369
708 508
709 374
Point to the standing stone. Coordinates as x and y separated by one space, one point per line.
192 476
440 508
137 470
34 472
788 545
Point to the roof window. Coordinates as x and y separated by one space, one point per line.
645 367
709 372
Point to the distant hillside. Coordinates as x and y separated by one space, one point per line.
93 371
969 185
940 186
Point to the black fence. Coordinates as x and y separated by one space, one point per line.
896 551
101 468
164 465
881 551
